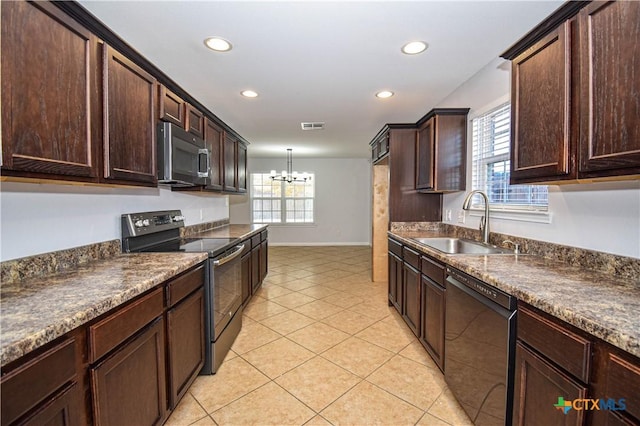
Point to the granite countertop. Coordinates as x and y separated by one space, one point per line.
231 231
601 304
40 309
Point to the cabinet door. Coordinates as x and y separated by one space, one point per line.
255 269
245 265
395 282
541 123
450 170
264 258
129 121
129 387
195 121
171 107
242 168
610 88
50 98
425 147
213 140
538 385
432 320
411 298
61 410
185 335
230 163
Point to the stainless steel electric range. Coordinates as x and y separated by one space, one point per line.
160 232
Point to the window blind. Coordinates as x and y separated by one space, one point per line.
491 164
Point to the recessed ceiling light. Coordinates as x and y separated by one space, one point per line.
249 94
414 47
384 94
218 44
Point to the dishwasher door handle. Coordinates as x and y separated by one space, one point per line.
237 252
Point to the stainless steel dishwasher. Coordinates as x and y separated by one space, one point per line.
480 332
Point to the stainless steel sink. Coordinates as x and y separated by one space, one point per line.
461 246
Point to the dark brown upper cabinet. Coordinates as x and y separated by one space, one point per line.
195 121
214 139
575 95
441 150
610 89
50 94
230 155
171 107
129 121
242 167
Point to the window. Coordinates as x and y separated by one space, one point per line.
491 143
281 202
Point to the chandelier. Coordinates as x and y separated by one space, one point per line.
289 175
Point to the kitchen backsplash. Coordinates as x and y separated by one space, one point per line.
627 267
201 227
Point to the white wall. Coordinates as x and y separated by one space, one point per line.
39 218
603 216
343 202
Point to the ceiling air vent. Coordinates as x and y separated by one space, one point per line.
312 125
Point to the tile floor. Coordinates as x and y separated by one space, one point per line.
320 346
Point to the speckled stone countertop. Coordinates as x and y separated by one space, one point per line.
40 309
601 304
231 231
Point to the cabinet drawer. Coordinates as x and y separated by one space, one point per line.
113 330
562 346
255 241
263 235
623 381
395 248
433 270
411 257
30 384
184 285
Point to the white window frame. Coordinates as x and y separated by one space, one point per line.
283 201
517 212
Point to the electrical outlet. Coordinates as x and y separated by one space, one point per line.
201 214
461 216
447 215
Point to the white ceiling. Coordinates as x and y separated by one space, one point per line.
319 61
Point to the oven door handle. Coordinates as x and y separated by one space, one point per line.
230 257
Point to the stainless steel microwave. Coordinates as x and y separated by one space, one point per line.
183 159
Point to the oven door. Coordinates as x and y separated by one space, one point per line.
227 289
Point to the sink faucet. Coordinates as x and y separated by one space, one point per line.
484 221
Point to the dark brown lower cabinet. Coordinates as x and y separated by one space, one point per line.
129 386
185 338
432 319
411 297
245 265
538 385
60 410
264 259
255 269
395 282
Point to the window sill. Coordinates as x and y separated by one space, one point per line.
285 225
515 215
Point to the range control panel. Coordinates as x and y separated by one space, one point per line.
138 224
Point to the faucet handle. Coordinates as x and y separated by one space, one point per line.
516 246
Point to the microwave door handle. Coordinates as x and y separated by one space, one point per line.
205 152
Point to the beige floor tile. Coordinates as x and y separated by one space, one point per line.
287 322
272 291
429 420
373 310
410 381
293 300
367 404
318 337
263 309
343 299
269 405
318 309
318 291
187 412
252 336
388 336
416 352
318 279
447 408
317 382
358 356
318 421
233 380
278 357
298 284
279 278
207 421
349 322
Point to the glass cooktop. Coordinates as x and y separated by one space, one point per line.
213 246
